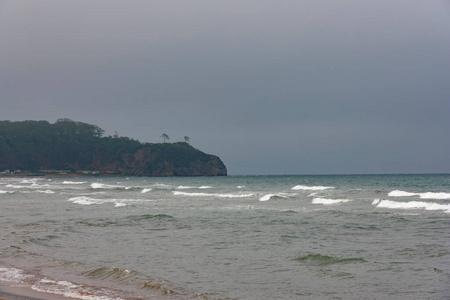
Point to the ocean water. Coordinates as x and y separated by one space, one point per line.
249 237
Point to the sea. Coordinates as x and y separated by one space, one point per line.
235 237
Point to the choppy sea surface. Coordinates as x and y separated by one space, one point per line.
249 237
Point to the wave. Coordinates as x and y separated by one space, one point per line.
321 260
6 192
150 217
312 188
411 205
162 186
33 186
151 288
145 191
431 195
183 187
13 275
187 187
398 193
96 185
325 201
83 200
120 275
176 193
73 182
46 191
72 290
275 196
426 195
28 181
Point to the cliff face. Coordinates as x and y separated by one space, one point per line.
148 162
163 160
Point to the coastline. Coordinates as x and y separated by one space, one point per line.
62 175
14 291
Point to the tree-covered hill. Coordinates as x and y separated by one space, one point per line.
70 145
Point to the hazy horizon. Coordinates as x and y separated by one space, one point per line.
272 88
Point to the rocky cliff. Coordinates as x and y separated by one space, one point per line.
179 159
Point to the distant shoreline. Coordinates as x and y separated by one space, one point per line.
62 175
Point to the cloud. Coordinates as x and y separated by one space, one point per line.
285 87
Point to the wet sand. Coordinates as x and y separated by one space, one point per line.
22 292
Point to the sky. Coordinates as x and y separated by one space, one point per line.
271 87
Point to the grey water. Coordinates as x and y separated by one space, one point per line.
236 237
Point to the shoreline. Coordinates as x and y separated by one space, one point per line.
63 175
15 291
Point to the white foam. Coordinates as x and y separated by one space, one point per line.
13 186
430 195
69 289
266 197
161 186
183 187
325 201
13 275
376 201
145 191
28 181
427 195
312 188
414 205
176 193
398 193
204 187
96 185
5 192
241 186
83 200
46 191
33 186
74 182
270 196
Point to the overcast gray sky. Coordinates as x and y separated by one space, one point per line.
272 87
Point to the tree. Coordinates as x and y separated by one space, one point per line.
165 137
186 139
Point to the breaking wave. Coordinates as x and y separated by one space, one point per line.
184 187
176 193
97 185
13 275
73 182
411 205
325 201
312 188
84 200
275 196
427 195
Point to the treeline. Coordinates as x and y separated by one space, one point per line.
70 145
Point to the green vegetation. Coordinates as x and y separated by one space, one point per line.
70 145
